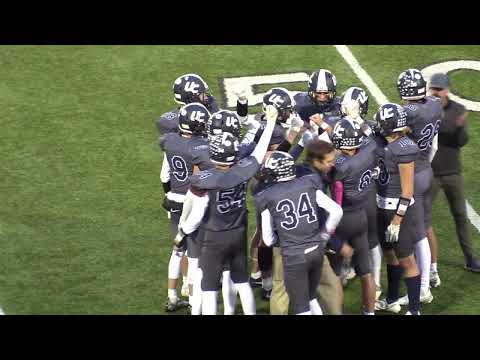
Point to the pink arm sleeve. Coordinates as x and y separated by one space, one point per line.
337 192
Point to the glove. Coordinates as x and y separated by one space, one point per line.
391 235
241 95
296 123
307 137
170 205
325 236
271 113
180 238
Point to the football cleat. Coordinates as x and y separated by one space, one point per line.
410 313
434 279
254 283
266 294
177 305
383 305
426 297
473 265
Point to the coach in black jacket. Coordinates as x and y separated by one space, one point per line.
447 166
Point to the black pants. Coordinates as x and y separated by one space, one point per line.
453 187
409 230
220 248
353 228
301 276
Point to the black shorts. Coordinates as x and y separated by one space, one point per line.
408 235
372 219
353 228
302 274
220 248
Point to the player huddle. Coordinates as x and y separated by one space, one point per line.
362 193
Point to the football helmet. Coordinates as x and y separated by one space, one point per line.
391 118
192 118
223 148
322 82
411 85
347 134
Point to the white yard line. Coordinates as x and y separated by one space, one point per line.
381 99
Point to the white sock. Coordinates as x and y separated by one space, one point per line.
172 295
174 266
267 283
424 258
376 259
315 308
246 298
433 267
229 294
209 302
368 313
185 279
197 293
256 275
192 270
305 313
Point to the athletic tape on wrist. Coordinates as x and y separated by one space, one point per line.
402 207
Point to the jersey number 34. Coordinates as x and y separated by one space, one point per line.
293 213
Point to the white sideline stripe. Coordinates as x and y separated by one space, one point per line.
382 99
473 216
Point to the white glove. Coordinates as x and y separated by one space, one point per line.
325 236
241 95
307 137
296 123
314 127
271 113
391 235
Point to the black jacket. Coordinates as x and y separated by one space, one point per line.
450 139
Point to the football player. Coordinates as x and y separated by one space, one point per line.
399 215
355 105
219 208
353 175
184 153
188 88
320 97
320 160
288 126
423 117
290 213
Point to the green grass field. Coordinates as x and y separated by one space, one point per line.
81 226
